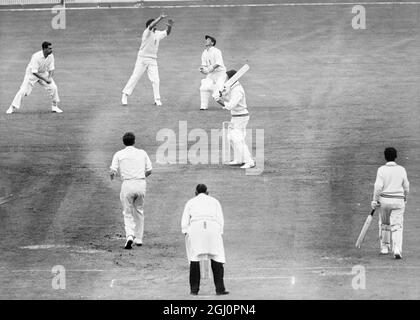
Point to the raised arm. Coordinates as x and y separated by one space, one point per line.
156 21
169 25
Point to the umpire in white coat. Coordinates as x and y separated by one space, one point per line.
202 223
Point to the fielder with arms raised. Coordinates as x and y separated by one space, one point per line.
233 99
390 196
133 165
147 59
39 70
202 223
213 67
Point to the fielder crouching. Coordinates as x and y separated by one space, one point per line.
233 99
390 196
39 70
202 223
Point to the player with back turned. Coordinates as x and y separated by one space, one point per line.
390 196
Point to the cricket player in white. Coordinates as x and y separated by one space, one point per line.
213 67
39 70
235 101
390 195
133 165
202 223
147 59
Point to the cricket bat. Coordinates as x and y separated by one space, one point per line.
236 77
364 229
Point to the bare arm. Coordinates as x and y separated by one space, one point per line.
156 21
169 26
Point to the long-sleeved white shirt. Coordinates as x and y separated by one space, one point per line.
212 56
235 100
131 163
202 207
150 43
391 182
40 64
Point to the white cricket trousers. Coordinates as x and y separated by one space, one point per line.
132 200
210 86
391 216
142 65
236 136
27 86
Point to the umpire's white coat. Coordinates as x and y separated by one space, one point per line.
203 223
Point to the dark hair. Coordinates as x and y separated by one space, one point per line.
45 44
390 154
129 138
201 188
230 73
149 22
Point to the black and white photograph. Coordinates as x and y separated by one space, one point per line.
209 151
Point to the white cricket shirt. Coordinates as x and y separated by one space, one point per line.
235 100
150 43
212 56
40 64
391 181
131 163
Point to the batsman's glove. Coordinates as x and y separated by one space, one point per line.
375 204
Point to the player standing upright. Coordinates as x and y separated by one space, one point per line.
390 195
147 59
39 70
134 166
203 223
234 100
213 67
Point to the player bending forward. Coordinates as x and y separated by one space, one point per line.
147 59
390 195
214 69
235 101
39 70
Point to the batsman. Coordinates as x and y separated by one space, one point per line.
390 196
233 98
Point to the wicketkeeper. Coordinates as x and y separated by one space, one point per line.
390 196
213 67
